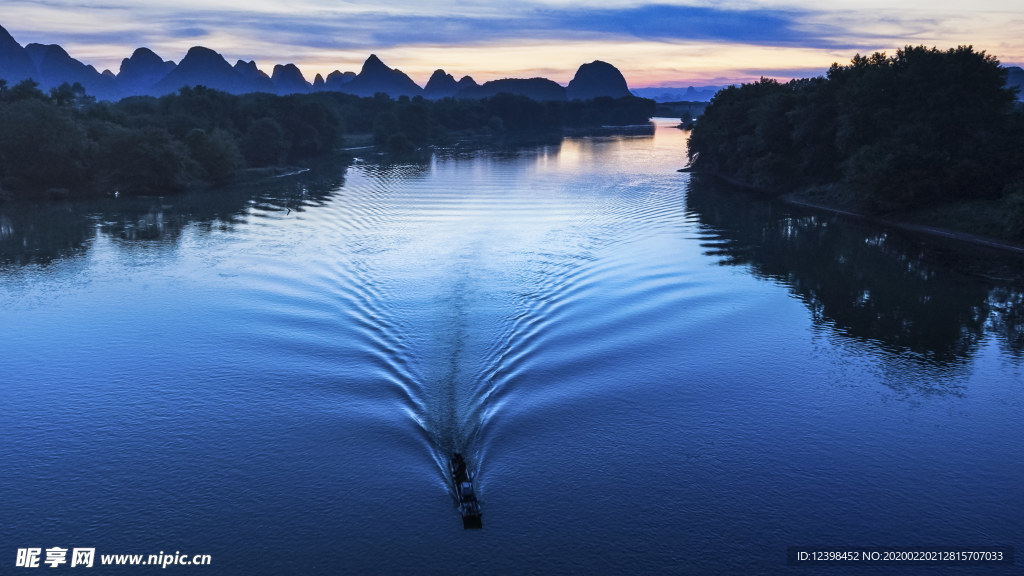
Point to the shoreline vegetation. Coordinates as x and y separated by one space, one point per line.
911 223
65 144
925 140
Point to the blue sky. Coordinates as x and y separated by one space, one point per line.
701 42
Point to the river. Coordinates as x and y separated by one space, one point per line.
649 373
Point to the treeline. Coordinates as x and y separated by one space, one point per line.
403 124
64 142
919 128
67 142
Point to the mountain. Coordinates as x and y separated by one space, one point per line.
540 89
1015 78
377 77
595 80
255 79
15 63
141 72
682 93
146 73
335 80
202 66
55 67
678 93
440 85
288 79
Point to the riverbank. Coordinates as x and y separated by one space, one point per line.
978 222
50 148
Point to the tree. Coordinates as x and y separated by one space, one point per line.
920 127
264 143
42 146
27 89
70 95
146 161
385 125
216 153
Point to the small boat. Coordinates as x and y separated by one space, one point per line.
469 506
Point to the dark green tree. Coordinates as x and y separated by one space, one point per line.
42 147
146 161
924 126
216 153
264 143
27 89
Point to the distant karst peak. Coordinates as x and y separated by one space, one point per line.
595 80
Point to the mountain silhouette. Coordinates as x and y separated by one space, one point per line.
539 89
146 73
678 93
440 85
203 67
1015 79
141 72
255 80
288 79
55 67
335 80
15 63
377 77
595 80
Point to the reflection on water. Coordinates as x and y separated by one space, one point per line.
933 299
906 294
40 233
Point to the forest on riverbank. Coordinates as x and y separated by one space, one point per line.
935 136
65 143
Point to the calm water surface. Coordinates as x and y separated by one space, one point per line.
649 373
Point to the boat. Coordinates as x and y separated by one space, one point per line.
462 482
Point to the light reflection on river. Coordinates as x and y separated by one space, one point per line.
650 373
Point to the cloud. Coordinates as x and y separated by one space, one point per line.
188 32
661 23
667 23
375 29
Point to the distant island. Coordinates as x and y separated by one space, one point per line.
156 127
926 136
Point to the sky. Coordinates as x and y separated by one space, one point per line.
677 43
